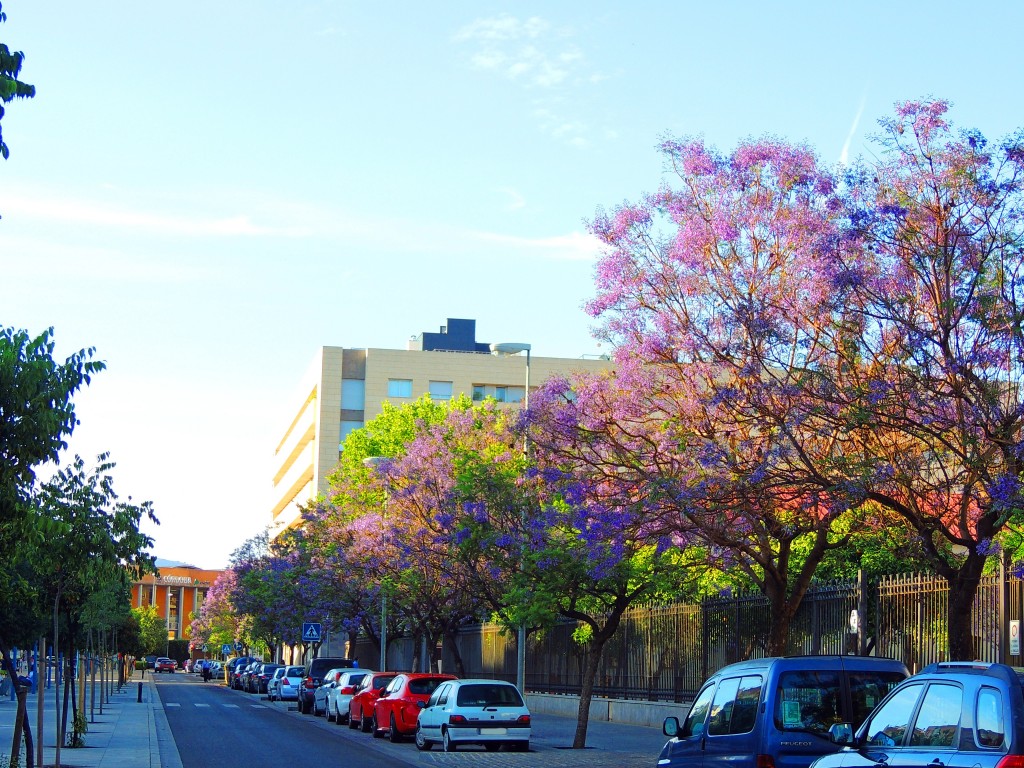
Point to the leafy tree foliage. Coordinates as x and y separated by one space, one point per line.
10 86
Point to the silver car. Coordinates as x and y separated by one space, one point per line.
485 712
284 685
340 696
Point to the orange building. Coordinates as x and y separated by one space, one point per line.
177 592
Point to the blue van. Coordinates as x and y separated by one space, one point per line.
776 712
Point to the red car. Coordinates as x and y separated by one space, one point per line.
360 709
398 706
163 664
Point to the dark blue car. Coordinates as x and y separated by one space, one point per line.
776 712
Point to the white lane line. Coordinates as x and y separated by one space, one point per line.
172 704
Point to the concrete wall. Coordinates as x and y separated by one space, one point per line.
649 713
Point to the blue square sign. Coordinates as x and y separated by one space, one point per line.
311 631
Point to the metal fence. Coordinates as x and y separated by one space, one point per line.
665 652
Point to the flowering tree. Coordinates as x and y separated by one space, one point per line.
936 403
721 297
218 621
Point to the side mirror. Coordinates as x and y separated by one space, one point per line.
421 705
671 727
841 733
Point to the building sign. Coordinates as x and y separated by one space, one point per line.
184 581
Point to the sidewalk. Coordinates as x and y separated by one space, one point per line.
128 734
132 734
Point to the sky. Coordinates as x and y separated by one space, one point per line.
208 192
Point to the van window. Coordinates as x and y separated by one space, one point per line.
694 725
808 701
867 689
734 708
889 724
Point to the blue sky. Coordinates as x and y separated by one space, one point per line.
208 192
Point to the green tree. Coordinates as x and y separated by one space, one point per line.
10 86
152 629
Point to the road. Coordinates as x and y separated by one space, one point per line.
213 725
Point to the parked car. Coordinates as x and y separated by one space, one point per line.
486 712
398 706
164 664
340 695
322 691
954 713
285 684
776 711
235 667
360 708
250 669
259 680
314 674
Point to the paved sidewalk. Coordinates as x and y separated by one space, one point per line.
128 733
134 734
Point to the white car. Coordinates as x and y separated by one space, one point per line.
340 696
486 712
323 690
284 685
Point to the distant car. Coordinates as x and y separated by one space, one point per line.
487 712
397 708
314 675
360 709
163 664
341 694
258 681
285 684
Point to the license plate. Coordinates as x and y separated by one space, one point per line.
493 731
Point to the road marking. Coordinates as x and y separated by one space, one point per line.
173 704
229 706
202 705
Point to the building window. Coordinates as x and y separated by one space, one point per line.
501 393
399 387
353 394
440 390
347 427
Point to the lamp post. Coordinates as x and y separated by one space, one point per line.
514 348
374 462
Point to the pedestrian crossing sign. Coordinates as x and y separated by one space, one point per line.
311 631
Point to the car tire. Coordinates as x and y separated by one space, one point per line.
446 742
521 746
339 718
352 721
331 717
492 746
365 725
422 744
393 735
375 727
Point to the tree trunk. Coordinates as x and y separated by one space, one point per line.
963 587
592 660
22 694
453 647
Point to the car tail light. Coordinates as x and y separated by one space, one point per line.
1011 761
346 689
456 719
309 682
523 720
765 761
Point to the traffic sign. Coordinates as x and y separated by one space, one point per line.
238 647
311 631
225 649
1015 638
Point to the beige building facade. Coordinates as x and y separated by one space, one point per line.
345 388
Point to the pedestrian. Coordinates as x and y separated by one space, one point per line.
206 671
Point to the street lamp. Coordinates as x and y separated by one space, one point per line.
514 348
374 462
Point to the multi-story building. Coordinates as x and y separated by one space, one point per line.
177 593
345 388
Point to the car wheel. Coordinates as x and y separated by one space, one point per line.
422 744
393 735
492 746
446 741
316 709
375 727
331 717
339 718
365 724
352 721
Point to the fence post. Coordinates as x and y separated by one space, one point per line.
1004 613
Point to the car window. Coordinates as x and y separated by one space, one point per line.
694 723
808 700
296 671
488 695
394 685
888 726
424 686
989 718
439 697
939 719
355 680
869 688
381 681
734 708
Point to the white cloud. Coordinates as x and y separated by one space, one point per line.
844 153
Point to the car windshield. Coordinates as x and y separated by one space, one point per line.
488 695
296 671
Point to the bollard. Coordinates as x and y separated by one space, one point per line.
140 693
